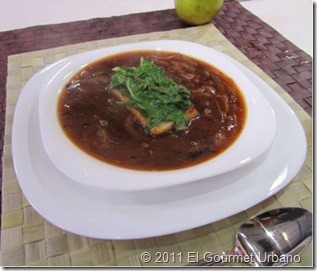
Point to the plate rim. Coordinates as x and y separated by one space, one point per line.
54 216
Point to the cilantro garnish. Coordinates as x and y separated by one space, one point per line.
153 93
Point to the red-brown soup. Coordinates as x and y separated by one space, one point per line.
92 118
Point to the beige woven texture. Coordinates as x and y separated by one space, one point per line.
28 239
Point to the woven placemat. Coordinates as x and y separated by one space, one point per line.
28 239
289 66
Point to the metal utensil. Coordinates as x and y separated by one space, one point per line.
273 238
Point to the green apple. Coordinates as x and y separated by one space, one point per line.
197 12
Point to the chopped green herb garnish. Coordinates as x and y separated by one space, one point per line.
149 89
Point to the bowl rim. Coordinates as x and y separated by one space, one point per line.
254 140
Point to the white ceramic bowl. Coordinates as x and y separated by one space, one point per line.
255 139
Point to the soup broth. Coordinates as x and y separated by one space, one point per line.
91 117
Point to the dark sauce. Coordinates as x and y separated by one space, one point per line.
92 119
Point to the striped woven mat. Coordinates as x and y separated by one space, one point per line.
27 239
